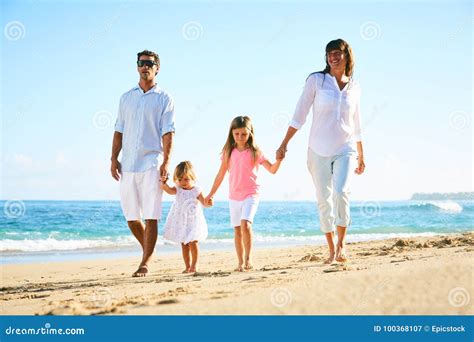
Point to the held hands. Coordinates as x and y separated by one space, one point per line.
361 165
209 201
115 169
163 185
281 152
164 175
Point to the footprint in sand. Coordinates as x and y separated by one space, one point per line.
164 280
254 279
65 308
217 297
336 269
310 257
211 274
269 268
406 258
34 296
168 301
220 294
113 310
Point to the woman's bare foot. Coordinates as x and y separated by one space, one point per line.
341 254
239 268
141 272
186 270
330 259
248 266
192 269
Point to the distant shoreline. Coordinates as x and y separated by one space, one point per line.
437 196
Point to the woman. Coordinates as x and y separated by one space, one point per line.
334 140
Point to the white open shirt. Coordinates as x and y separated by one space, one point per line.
336 114
143 118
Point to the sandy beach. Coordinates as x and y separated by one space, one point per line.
417 276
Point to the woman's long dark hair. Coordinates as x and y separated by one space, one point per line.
342 45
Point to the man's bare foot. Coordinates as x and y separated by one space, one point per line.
341 254
141 272
330 259
239 268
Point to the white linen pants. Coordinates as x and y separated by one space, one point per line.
332 178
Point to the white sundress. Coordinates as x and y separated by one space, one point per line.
186 221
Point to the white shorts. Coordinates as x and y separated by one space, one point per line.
243 210
141 195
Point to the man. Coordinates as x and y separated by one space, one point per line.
144 133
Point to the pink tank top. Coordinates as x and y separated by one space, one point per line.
243 174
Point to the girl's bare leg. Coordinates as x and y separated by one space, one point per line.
194 247
186 256
239 247
332 253
246 228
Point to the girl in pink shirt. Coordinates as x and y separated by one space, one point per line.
241 158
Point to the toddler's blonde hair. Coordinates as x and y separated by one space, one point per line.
185 168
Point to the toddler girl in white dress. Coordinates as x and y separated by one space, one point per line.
186 223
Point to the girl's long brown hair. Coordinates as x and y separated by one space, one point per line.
240 122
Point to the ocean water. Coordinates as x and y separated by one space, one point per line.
58 230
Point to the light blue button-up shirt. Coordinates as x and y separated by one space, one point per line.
143 118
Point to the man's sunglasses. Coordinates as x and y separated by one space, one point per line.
147 62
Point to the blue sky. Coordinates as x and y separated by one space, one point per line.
65 65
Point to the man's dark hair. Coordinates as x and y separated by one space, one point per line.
151 54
